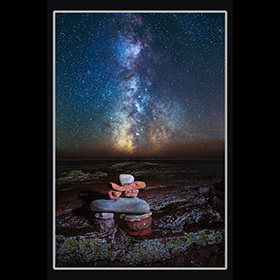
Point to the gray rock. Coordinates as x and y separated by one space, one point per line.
103 225
104 216
126 179
133 205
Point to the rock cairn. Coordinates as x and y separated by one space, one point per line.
134 213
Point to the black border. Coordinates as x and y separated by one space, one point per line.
52 5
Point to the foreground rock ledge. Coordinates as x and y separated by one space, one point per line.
98 251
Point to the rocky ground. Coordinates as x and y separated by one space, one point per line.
187 200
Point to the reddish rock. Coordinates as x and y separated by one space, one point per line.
131 187
135 218
116 194
137 222
67 207
130 193
140 232
137 226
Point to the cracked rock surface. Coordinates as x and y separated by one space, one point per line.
186 198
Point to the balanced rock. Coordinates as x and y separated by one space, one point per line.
104 216
135 218
121 205
103 222
103 225
126 179
137 222
130 193
130 187
116 194
137 226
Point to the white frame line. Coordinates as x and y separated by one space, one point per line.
226 141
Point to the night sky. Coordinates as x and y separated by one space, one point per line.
139 84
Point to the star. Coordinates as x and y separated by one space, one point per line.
140 83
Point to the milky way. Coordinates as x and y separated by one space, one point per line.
140 84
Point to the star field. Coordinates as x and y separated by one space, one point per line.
139 84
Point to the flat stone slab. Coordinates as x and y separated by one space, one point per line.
124 205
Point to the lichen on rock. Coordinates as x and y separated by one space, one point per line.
138 253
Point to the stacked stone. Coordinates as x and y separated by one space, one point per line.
137 224
103 221
135 214
128 187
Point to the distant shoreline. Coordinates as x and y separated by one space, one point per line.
194 158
